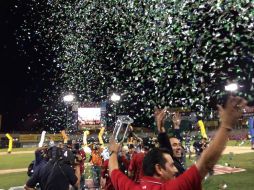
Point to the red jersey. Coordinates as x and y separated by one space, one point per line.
189 180
82 162
136 165
105 175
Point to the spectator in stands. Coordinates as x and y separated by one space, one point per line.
158 165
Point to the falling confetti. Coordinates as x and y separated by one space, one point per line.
153 53
223 186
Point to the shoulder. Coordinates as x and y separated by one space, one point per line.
193 169
190 179
121 180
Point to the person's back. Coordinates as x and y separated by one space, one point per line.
37 178
58 175
105 174
135 167
44 174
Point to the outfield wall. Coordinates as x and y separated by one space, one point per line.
28 140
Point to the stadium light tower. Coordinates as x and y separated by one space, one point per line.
232 87
115 99
68 99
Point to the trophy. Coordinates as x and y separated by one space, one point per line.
121 127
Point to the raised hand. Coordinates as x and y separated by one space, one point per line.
113 145
232 111
176 119
160 115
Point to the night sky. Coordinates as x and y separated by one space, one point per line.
153 54
18 97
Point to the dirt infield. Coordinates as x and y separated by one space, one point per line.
219 170
237 149
13 171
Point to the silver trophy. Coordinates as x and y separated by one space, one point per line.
121 127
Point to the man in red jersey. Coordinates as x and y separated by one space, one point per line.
158 166
105 178
135 171
123 164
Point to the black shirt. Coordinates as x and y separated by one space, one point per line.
54 175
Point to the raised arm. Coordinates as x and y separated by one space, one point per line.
176 119
163 139
119 180
114 149
160 115
229 116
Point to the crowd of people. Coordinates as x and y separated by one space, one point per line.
138 163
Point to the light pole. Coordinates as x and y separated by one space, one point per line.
115 98
68 99
232 87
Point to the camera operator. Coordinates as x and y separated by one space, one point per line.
58 173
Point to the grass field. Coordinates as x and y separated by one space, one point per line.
18 149
12 161
236 181
239 143
12 180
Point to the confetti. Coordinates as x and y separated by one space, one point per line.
153 53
